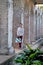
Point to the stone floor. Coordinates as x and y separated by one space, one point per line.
33 46
17 50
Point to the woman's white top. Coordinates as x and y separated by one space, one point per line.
20 31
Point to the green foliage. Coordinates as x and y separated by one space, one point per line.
30 57
29 47
36 62
42 43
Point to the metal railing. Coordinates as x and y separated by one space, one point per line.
38 41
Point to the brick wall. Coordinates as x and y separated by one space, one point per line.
3 23
17 20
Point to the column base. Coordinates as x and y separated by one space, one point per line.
11 50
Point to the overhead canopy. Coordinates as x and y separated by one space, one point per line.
38 1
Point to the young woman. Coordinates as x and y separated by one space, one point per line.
20 34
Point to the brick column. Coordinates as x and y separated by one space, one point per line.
10 23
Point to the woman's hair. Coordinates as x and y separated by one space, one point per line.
21 23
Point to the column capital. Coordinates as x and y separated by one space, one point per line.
10 1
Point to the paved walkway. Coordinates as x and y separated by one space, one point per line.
4 58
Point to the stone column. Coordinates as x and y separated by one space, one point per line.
34 23
10 23
22 16
40 23
37 23
41 26
22 21
29 22
22 11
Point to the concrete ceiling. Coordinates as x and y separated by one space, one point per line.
38 1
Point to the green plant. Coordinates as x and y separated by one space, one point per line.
42 44
30 57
